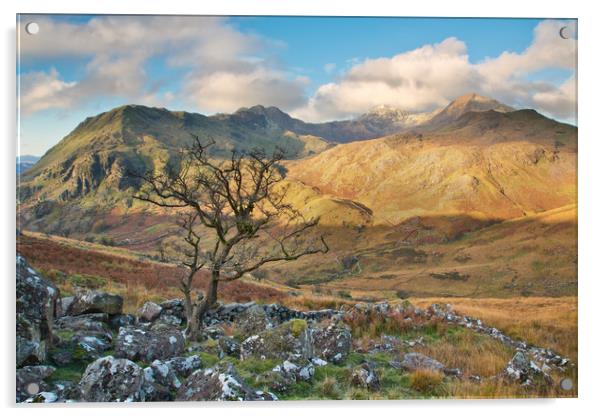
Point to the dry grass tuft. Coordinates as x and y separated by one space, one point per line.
428 382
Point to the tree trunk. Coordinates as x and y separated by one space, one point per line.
210 298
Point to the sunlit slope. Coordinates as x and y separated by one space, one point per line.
496 173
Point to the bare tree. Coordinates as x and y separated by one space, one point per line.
241 201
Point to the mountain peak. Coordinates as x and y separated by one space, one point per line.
386 112
476 102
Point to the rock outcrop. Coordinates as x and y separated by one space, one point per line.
95 302
37 304
110 379
137 343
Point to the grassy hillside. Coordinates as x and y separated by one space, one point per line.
486 165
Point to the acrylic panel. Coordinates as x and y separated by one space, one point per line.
295 208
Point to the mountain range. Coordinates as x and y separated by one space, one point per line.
389 175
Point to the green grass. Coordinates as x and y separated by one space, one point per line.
71 372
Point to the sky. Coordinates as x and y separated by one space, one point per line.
315 68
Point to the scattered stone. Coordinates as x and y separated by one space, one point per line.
364 376
95 302
148 345
523 370
220 383
110 379
413 361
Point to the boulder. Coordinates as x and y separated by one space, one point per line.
166 321
229 346
149 311
331 341
117 321
96 322
252 320
110 379
174 307
90 345
413 361
95 302
296 368
160 382
136 343
36 308
184 366
30 380
289 338
220 383
64 303
363 376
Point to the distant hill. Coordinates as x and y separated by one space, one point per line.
475 159
102 149
26 162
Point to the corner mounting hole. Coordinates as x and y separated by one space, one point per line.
32 28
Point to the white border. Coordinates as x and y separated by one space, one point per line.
590 180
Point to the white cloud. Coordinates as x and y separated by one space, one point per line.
227 91
432 75
41 91
222 69
118 48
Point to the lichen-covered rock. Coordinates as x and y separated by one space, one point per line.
252 320
220 383
184 366
167 321
148 345
525 371
149 311
230 346
297 368
95 302
175 308
117 321
289 338
30 380
331 341
160 382
413 361
36 308
364 376
90 345
43 397
110 379
96 322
